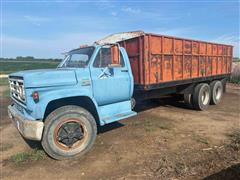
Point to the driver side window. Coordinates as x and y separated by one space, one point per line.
104 58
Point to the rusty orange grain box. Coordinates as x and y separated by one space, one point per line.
157 58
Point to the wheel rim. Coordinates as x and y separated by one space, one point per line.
70 134
218 93
205 97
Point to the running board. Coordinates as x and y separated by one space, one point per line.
115 112
119 117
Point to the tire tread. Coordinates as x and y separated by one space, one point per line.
58 113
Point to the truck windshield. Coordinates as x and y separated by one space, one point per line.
77 58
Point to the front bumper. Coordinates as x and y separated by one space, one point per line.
30 129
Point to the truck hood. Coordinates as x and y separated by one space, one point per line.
46 77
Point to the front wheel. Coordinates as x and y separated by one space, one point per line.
69 131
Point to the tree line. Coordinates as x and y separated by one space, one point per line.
29 58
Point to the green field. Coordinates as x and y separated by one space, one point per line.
3 81
7 67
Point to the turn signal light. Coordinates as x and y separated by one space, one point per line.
35 96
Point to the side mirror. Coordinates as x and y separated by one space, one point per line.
115 55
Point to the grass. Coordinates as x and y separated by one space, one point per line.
6 93
200 139
235 139
235 79
34 155
5 147
3 81
151 125
7 67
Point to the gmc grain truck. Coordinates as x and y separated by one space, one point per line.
99 84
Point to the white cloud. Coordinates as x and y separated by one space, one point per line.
105 4
179 31
117 10
36 20
131 10
46 48
114 13
230 39
227 38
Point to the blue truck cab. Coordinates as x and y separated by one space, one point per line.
62 107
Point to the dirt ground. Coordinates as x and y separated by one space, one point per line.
166 140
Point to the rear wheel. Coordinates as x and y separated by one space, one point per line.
68 131
188 100
201 96
216 92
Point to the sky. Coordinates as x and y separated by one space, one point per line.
46 29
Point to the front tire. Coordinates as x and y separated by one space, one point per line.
68 131
201 96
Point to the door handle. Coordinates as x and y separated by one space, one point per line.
106 72
124 70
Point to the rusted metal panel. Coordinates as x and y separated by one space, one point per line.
209 49
202 48
214 49
220 50
178 63
224 65
133 48
187 47
229 66
156 45
168 45
156 58
209 66
140 60
146 60
167 68
202 63
219 65
229 50
195 66
187 67
214 65
178 44
195 48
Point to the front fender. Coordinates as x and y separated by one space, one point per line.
46 96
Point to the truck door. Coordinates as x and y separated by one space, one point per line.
110 76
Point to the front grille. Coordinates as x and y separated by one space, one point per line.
19 108
17 89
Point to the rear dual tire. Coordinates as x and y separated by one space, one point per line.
201 96
216 92
188 100
205 94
